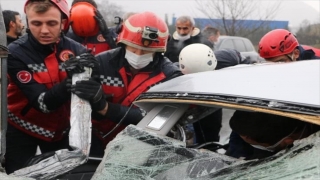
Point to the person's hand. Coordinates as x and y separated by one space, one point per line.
104 29
91 91
101 22
76 64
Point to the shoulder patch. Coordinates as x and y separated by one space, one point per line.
64 55
24 76
100 38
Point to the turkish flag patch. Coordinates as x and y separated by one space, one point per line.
24 76
64 55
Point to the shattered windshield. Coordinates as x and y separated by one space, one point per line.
137 154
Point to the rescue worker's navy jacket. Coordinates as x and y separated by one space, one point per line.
308 52
96 44
35 105
118 81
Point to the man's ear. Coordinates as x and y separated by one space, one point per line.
296 53
12 24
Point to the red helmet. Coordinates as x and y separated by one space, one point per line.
62 5
83 21
276 43
145 31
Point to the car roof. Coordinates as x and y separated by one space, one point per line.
286 87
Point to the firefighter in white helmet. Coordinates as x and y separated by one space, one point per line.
197 58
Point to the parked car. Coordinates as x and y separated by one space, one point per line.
241 44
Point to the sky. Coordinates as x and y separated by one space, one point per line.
294 11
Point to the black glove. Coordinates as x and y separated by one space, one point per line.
104 29
58 94
91 91
76 65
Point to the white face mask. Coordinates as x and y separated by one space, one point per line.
273 147
137 61
183 38
215 43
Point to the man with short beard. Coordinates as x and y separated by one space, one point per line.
14 25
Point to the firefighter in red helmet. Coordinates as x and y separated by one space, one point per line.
89 28
38 97
280 45
126 72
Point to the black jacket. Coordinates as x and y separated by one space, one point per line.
11 39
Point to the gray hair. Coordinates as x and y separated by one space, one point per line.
209 31
184 19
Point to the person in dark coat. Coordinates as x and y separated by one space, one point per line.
268 134
186 33
14 25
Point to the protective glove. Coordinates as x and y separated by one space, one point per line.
91 91
76 64
104 29
58 94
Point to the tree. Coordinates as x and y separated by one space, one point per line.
232 14
109 11
308 34
171 27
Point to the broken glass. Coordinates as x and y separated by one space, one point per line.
138 154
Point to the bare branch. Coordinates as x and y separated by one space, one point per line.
109 11
233 13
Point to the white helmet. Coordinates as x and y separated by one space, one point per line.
197 58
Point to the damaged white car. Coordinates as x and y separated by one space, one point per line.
146 152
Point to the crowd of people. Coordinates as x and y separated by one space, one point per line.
127 60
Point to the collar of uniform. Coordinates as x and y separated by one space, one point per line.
49 48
